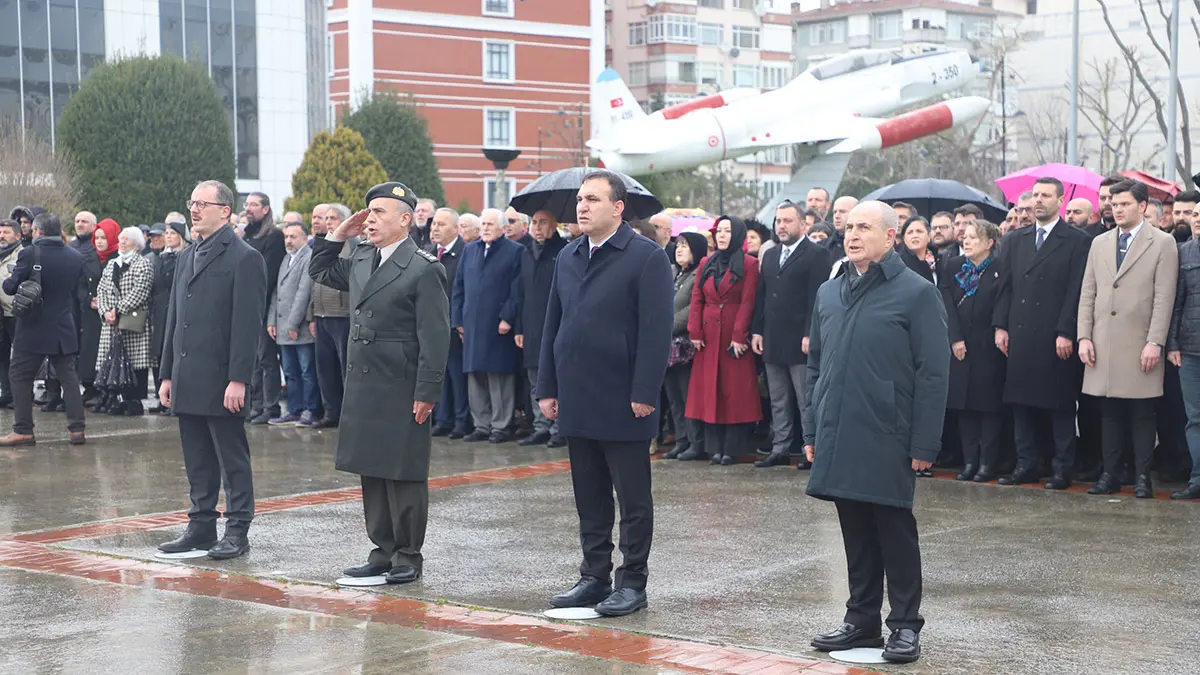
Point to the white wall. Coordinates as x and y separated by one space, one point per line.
130 27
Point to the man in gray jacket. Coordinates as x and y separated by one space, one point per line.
330 310
878 370
287 323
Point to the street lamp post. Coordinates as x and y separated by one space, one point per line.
500 157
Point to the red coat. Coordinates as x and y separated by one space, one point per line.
723 390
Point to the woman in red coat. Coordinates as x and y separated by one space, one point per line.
723 392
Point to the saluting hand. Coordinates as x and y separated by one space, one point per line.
352 226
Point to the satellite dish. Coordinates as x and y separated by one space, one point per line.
651 3
734 52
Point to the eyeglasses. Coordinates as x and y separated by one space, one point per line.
512 221
1024 209
201 205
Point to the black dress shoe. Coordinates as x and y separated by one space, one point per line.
536 438
196 538
968 473
403 574
774 459
587 591
984 475
440 431
457 434
367 570
1020 477
1190 492
728 460
477 436
232 546
1058 482
680 448
325 423
924 473
1089 475
556 441
848 636
1107 485
6 401
1143 489
693 454
804 464
499 437
53 405
903 646
623 602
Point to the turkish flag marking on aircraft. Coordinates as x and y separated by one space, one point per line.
617 102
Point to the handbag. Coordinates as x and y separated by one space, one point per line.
133 322
28 298
682 351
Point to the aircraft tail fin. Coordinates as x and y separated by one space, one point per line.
612 104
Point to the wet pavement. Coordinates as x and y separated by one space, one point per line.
744 570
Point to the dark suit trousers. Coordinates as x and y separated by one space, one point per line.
1172 423
333 332
215 448
1090 450
597 468
267 382
1128 423
1025 423
21 372
881 541
396 512
454 410
980 433
8 331
676 384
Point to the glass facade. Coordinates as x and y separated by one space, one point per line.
222 35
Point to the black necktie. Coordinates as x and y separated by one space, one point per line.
376 260
1122 247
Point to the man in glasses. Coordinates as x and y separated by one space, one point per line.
517 228
214 319
422 219
1025 210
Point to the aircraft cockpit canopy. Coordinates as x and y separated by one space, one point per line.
844 64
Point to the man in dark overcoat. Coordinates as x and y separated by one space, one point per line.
537 273
878 373
1035 325
604 353
452 416
215 315
89 318
396 362
484 309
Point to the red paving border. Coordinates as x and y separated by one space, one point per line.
604 643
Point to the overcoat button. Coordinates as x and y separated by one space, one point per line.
370 313
366 369
357 312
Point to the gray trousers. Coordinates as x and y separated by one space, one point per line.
788 385
267 381
540 422
493 398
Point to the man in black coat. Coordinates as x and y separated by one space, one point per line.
537 273
788 281
1035 325
85 227
604 353
213 321
878 370
49 332
262 235
452 415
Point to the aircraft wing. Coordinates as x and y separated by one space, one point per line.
809 131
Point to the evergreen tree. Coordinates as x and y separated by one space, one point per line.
142 132
336 168
399 137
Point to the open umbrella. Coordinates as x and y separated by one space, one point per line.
689 220
930 195
1162 190
1077 181
556 192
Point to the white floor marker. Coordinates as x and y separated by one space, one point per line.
360 582
859 655
571 613
184 555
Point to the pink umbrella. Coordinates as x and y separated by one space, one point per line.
689 220
1077 181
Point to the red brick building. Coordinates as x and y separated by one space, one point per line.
485 73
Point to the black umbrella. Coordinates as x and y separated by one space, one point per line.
556 193
930 195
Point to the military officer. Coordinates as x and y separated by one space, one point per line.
396 359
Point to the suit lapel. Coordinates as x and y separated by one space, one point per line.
1107 244
1053 241
214 250
1137 248
801 249
389 270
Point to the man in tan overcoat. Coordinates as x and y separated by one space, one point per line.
1124 315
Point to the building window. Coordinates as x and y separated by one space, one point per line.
827 33
887 26
712 34
745 37
686 72
745 76
774 77
711 75
245 45
498 61
329 54
637 74
498 127
964 27
744 4
673 28
220 39
195 31
714 4
498 8
489 192
637 33
170 27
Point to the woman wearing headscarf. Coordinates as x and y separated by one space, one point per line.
723 391
690 249
174 240
124 294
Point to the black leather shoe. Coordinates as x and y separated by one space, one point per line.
536 438
774 459
556 441
403 574
728 460
623 602
984 475
499 437
54 405
924 473
477 436
903 646
367 570
1107 485
327 423
1143 489
587 592
1190 492
440 431
804 464
457 434
716 458
1020 477
680 448
693 454
196 538
1058 482
848 636
968 473
232 546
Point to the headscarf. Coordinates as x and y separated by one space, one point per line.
697 244
111 231
730 260
968 277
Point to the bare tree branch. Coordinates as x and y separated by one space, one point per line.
33 175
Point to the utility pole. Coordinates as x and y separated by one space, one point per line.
1073 118
1173 98
1003 120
